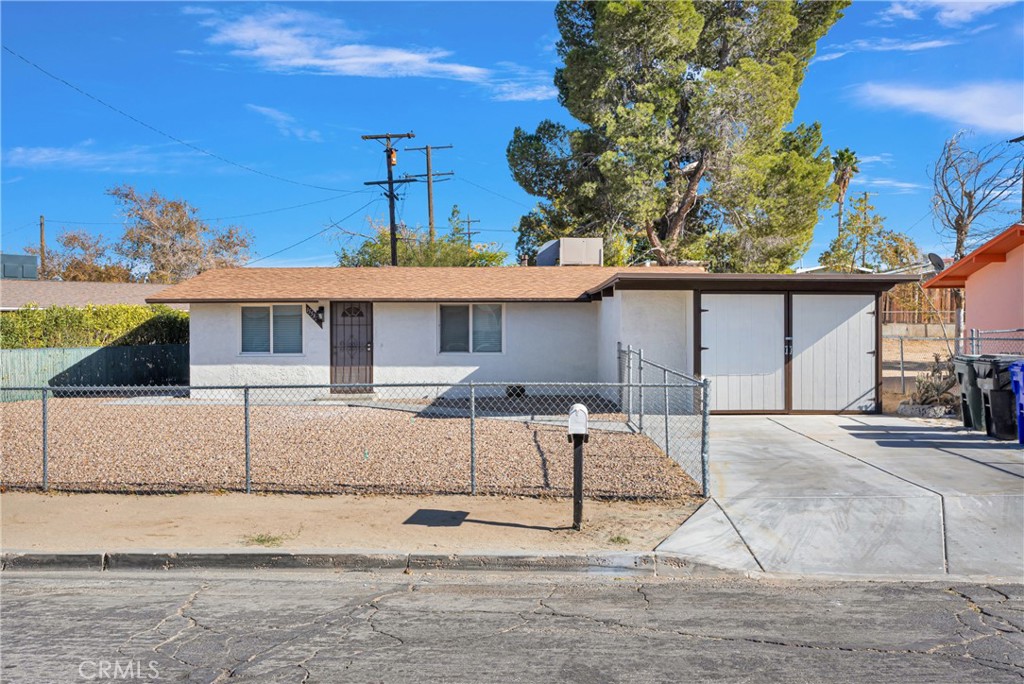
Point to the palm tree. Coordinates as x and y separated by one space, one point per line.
844 165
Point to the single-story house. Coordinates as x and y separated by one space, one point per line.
769 343
992 277
19 293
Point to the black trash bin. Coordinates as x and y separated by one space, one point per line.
998 400
971 408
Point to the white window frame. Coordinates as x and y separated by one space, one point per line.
437 343
265 305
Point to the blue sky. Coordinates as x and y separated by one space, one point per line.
280 93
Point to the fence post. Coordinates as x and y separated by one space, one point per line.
975 341
248 460
640 380
664 382
46 446
472 439
629 383
705 437
903 375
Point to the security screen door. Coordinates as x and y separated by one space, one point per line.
351 344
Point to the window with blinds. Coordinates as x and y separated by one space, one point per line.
288 329
475 328
272 329
256 329
487 327
454 328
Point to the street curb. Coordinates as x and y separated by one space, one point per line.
52 561
640 563
252 560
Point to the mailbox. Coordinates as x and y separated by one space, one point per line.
578 419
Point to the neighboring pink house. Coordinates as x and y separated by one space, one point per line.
993 280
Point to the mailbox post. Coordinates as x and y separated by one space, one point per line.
578 436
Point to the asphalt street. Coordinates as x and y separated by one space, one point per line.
298 626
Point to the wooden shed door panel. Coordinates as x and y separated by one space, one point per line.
833 352
744 351
351 344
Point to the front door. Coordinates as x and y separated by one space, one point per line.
351 344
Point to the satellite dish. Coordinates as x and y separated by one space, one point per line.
937 262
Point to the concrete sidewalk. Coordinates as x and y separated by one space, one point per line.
870 496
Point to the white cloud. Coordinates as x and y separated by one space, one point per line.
286 124
896 187
947 12
996 107
85 156
287 40
198 10
882 45
515 83
291 40
883 158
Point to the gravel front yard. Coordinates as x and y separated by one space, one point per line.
182 445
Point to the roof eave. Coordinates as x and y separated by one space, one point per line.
757 281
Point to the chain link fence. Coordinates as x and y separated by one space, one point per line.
492 438
997 341
668 406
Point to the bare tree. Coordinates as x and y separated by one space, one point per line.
971 189
165 241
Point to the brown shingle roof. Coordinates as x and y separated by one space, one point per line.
399 284
15 294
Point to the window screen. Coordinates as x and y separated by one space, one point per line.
487 327
454 328
256 329
288 329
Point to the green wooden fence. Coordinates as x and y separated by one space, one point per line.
151 364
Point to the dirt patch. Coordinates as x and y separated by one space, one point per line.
918 357
107 522
125 446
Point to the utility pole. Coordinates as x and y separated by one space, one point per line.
430 181
391 158
42 244
469 229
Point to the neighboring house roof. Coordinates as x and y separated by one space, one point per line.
397 284
993 251
501 284
15 294
829 269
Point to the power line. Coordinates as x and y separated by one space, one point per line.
168 135
316 234
217 218
496 194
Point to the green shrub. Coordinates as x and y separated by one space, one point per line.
92 326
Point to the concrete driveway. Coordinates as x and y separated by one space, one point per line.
872 496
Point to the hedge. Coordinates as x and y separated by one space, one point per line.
92 326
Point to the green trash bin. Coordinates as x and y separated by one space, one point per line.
971 406
999 403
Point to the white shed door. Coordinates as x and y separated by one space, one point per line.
833 352
743 351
